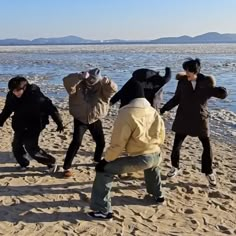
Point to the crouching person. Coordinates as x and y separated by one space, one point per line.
139 131
31 110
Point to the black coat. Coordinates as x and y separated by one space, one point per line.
151 82
192 113
31 110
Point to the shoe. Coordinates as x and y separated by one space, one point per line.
211 179
173 172
159 200
24 168
53 168
68 173
96 160
100 215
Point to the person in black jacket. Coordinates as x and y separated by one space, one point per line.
152 83
192 117
31 110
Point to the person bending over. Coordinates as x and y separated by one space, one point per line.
31 110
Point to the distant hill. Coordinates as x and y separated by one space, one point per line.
211 37
49 41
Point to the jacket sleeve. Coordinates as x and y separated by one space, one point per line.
118 95
7 110
108 89
174 101
52 111
115 98
159 81
161 130
120 137
71 82
219 92
49 108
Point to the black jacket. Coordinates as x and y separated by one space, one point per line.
192 113
151 82
31 110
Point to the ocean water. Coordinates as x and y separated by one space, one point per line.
47 65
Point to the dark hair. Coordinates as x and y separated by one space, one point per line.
192 65
15 82
131 90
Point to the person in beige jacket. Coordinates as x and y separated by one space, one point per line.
89 98
139 131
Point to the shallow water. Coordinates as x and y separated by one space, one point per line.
47 65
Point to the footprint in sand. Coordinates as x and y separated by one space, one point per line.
189 211
217 194
32 179
224 229
233 189
63 137
233 181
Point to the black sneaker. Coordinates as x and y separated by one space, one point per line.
100 215
159 200
23 168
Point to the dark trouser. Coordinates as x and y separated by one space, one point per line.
207 155
80 128
27 141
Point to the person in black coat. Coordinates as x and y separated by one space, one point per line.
152 83
192 117
31 110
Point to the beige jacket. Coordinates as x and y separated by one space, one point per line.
138 129
88 103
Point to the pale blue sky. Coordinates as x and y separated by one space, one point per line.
108 19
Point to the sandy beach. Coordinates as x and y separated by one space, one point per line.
33 202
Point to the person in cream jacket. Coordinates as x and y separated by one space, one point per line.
139 132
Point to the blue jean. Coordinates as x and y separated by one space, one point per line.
149 163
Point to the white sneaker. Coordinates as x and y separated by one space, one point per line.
173 172
53 169
211 179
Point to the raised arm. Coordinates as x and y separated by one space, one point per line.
159 80
109 88
71 81
219 92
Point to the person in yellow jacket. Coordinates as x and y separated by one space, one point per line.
89 98
139 131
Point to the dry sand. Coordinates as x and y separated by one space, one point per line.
33 202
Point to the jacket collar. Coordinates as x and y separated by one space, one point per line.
138 103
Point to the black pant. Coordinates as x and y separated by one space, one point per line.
207 155
80 128
27 141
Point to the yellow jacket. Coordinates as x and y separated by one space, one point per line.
138 129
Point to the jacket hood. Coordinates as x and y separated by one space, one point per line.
137 103
208 78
